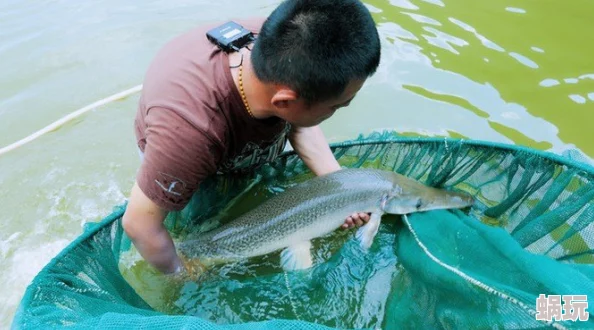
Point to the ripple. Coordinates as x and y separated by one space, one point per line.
578 98
435 2
462 25
524 60
489 44
7 245
538 50
403 4
423 19
516 10
518 137
448 98
571 80
484 40
549 82
444 40
393 30
22 267
372 8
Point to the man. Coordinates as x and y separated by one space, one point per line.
205 112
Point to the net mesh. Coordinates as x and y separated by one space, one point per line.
530 232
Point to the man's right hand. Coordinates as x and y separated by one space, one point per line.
143 223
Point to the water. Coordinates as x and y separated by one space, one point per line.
507 71
345 288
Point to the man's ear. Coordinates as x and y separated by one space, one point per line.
284 98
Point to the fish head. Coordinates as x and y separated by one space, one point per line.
409 196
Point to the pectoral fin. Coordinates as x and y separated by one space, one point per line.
367 233
297 256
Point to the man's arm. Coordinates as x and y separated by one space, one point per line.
176 159
143 223
312 147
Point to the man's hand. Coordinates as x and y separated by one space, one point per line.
191 270
312 147
356 219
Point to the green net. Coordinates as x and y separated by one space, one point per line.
530 233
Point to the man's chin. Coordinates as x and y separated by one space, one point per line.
313 123
304 124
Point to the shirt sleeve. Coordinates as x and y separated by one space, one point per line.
177 158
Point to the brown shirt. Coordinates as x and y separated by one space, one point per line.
191 122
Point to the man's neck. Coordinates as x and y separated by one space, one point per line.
254 90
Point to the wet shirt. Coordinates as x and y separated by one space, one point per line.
191 122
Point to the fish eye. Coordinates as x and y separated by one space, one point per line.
419 203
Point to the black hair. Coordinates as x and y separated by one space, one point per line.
317 47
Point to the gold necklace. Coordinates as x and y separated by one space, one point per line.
245 102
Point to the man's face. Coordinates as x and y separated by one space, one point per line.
299 114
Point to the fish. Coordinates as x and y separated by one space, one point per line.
289 221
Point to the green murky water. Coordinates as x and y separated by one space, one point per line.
509 71
346 288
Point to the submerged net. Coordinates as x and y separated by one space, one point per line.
530 233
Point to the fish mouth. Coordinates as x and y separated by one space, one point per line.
452 200
422 202
462 199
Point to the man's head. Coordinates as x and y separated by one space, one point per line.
317 54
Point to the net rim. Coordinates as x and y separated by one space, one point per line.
548 155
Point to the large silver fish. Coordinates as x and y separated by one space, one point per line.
314 208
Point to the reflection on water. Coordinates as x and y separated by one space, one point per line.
497 58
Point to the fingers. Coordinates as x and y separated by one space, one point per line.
356 219
348 223
365 217
361 218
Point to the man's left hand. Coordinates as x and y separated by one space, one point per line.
356 219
